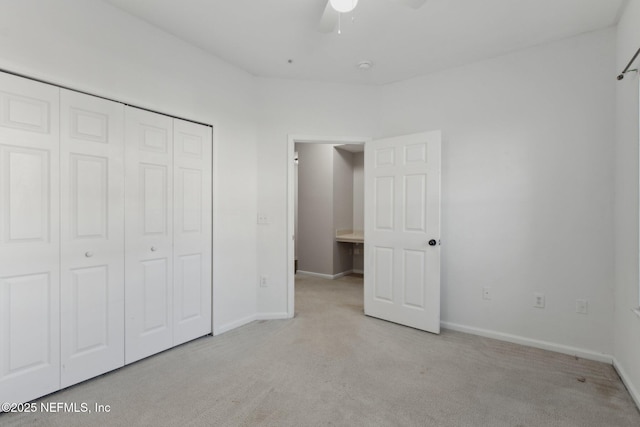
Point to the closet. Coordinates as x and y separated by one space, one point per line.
168 246
105 235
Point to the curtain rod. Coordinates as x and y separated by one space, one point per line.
621 75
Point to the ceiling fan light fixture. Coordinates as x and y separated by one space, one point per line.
343 6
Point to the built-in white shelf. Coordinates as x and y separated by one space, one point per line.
350 236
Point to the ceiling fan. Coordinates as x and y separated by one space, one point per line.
333 8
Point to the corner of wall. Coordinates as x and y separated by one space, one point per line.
626 326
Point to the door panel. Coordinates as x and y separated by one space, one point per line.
25 113
90 125
89 196
92 234
149 231
413 278
29 239
156 313
191 188
402 270
384 202
89 326
383 273
27 196
415 203
26 316
192 231
189 271
153 199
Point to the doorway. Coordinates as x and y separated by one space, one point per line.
402 227
291 203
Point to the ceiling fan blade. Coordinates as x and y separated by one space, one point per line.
328 20
414 4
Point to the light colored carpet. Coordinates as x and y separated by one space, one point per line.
331 365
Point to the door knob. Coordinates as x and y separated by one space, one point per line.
432 242
153 249
88 254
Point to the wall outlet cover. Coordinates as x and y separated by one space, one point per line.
582 306
538 300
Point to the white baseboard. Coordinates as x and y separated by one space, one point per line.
245 320
633 391
272 316
324 276
545 345
232 325
344 273
357 271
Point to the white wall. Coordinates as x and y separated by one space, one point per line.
315 208
527 187
528 162
325 204
91 46
297 108
626 327
527 182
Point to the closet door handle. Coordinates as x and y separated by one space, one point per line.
153 249
88 254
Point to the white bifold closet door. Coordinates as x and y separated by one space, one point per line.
168 232
29 239
105 236
148 233
191 230
92 236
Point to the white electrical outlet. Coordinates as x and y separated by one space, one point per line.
538 300
581 306
264 281
486 293
263 218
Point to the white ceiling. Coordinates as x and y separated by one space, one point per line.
260 36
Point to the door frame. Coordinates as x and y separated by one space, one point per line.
292 139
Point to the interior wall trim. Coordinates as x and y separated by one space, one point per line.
325 276
272 316
235 324
635 395
529 342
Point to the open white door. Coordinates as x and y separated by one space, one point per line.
402 230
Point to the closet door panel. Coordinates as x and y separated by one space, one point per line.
92 234
192 230
149 230
29 239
